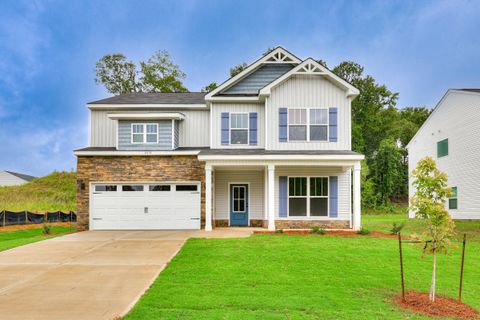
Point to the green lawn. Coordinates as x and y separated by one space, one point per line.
297 277
18 238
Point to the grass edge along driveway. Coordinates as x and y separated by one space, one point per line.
297 277
12 239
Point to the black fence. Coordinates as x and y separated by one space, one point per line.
10 218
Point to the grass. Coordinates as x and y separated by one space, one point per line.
298 277
55 192
12 239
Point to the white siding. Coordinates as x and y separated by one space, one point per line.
223 178
194 130
308 92
217 110
457 118
344 189
7 179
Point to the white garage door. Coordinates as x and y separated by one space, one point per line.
145 206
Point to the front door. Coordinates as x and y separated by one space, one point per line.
239 205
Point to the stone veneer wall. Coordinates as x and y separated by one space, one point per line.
307 224
131 169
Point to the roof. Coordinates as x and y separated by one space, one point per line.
155 98
113 149
470 90
22 176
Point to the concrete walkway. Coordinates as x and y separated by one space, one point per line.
88 275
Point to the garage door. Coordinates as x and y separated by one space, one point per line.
145 206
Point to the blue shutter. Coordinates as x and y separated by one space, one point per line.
282 124
283 197
225 128
333 197
253 129
333 124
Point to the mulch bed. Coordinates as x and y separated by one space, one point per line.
335 233
442 307
34 226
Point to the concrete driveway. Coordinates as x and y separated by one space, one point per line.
88 275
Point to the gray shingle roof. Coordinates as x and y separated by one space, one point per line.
155 98
22 176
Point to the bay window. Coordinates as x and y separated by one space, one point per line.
307 196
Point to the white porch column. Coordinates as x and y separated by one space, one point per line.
208 197
265 194
271 197
357 224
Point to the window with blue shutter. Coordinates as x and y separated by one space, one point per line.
282 124
333 125
225 128
283 197
333 198
253 129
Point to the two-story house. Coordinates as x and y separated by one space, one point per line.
270 147
451 136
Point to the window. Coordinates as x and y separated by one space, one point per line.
453 201
297 193
239 128
159 187
145 133
308 124
106 188
318 124
297 125
308 196
132 188
186 187
442 148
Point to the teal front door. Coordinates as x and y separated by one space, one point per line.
239 205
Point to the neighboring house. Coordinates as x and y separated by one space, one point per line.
270 147
10 178
451 136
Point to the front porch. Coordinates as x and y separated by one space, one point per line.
282 194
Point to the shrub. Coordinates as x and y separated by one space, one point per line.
46 229
279 231
363 231
396 228
317 230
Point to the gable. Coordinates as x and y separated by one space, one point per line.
251 84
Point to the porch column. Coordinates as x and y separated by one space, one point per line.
357 224
208 197
271 197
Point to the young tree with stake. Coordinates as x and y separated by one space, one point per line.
429 204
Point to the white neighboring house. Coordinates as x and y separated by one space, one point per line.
9 178
451 136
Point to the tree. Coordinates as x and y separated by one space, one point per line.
116 73
428 203
210 87
237 69
386 163
160 74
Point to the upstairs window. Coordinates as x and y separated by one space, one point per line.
144 133
453 201
239 128
442 148
308 124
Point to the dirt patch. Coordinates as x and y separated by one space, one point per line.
35 226
442 307
334 233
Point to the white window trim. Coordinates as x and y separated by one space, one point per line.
308 125
144 124
308 196
230 129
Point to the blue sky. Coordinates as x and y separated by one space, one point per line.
48 50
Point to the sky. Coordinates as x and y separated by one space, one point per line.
48 51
